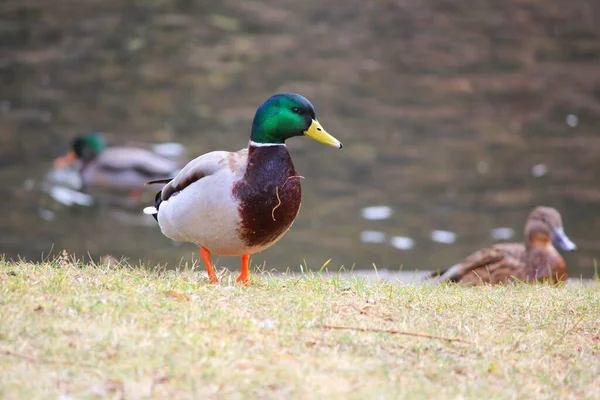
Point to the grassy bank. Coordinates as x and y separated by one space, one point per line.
84 331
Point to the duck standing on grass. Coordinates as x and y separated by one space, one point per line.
537 260
238 204
116 167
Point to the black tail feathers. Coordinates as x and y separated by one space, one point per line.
157 201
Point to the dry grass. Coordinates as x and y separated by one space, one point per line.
80 331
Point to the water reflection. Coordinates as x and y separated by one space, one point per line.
375 213
539 170
47 215
441 236
447 125
437 236
372 237
63 177
69 197
572 120
402 242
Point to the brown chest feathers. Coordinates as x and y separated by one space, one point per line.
269 195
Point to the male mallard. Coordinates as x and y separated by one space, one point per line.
537 260
117 167
238 204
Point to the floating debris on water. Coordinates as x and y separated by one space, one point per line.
445 237
402 242
46 215
502 233
376 212
572 120
372 237
539 170
169 149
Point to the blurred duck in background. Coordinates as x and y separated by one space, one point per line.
535 260
126 167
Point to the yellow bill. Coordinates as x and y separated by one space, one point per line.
316 131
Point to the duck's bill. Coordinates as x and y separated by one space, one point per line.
316 131
560 239
66 160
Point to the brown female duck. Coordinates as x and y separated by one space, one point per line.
535 260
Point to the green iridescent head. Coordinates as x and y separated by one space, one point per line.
88 145
84 147
286 115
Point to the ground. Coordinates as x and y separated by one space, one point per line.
69 330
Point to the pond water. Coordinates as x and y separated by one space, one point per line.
456 120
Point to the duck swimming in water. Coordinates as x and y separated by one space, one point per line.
238 204
116 167
535 260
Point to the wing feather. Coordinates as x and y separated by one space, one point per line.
143 161
205 165
492 264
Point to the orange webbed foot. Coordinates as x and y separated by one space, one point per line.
245 273
205 254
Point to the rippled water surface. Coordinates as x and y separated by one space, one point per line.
456 120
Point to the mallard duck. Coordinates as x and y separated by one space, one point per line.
535 260
238 204
116 167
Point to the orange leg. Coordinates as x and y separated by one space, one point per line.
245 270
205 254
135 194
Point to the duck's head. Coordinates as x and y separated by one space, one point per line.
544 227
85 147
286 115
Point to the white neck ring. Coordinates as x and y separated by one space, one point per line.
256 144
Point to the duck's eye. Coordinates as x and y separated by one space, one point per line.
296 110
